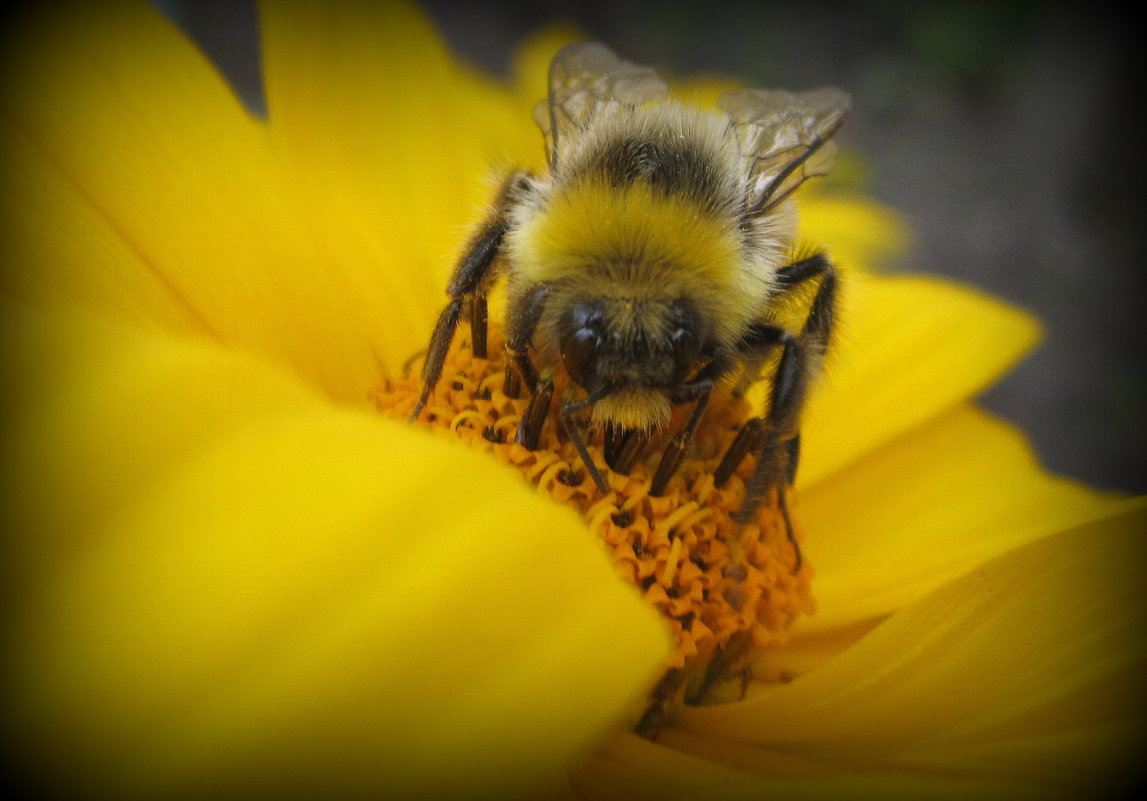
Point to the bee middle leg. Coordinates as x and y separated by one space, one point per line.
776 435
468 283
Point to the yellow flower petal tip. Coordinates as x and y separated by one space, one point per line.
728 591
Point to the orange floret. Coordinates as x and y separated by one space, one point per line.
728 591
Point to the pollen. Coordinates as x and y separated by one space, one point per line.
728 591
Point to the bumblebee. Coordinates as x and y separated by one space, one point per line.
649 263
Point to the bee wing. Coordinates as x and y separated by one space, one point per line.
783 138
585 80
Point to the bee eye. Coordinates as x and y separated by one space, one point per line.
686 348
578 350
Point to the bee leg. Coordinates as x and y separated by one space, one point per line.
631 451
793 459
479 317
675 451
522 318
469 280
511 384
524 370
530 427
801 355
748 439
817 329
436 353
623 447
613 438
773 470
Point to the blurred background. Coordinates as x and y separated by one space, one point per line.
1004 132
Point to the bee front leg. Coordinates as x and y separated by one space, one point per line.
674 452
699 390
537 410
524 312
624 447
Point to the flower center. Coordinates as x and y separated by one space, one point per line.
728 591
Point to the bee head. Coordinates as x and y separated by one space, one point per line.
612 345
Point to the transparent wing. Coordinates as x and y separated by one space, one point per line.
587 79
783 138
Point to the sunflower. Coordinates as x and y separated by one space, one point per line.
229 575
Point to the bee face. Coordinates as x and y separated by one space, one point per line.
615 345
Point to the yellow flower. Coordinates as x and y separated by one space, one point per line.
227 575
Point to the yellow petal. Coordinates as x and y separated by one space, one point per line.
1114 745
364 98
223 585
856 232
630 767
909 348
60 246
885 786
150 192
371 116
682 765
1043 642
926 508
114 122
